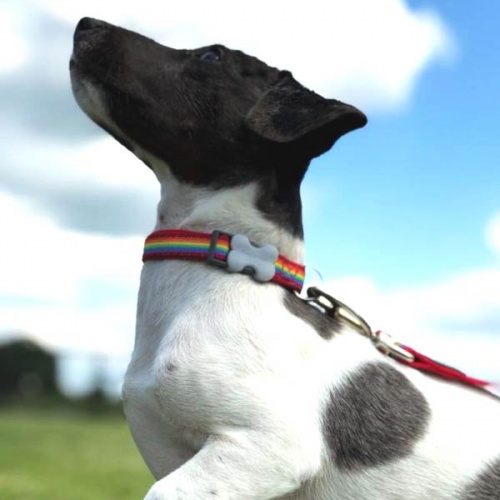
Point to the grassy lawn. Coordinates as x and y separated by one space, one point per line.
55 456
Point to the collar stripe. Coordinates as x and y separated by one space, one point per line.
192 245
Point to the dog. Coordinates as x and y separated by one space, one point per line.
238 388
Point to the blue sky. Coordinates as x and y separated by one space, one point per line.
402 218
412 192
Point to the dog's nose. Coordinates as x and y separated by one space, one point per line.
88 23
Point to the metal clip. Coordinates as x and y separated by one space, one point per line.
338 310
386 344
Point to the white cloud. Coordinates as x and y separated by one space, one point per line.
45 271
90 186
13 49
43 261
371 53
492 234
100 162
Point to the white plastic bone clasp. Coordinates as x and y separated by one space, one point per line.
244 257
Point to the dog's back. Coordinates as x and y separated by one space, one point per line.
237 389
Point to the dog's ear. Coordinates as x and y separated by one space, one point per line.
290 113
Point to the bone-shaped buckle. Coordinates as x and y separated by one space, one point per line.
244 257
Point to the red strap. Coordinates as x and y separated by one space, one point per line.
421 362
427 364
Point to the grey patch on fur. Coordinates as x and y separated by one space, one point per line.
375 418
486 486
325 325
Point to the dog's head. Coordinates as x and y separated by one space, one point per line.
217 117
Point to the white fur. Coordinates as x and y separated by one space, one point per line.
226 388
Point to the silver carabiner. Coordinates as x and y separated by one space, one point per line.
386 344
337 309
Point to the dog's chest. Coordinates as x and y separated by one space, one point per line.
199 346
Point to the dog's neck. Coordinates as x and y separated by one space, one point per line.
233 209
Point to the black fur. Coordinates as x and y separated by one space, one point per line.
375 418
486 486
253 123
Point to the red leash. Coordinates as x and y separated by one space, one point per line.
423 363
390 347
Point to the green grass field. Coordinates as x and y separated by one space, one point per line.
56 456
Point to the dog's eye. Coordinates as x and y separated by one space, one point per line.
211 55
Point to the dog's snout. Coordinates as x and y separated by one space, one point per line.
89 23
89 34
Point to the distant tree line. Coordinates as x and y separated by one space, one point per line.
28 376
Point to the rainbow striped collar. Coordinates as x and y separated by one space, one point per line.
234 253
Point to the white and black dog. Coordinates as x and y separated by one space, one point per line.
238 389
